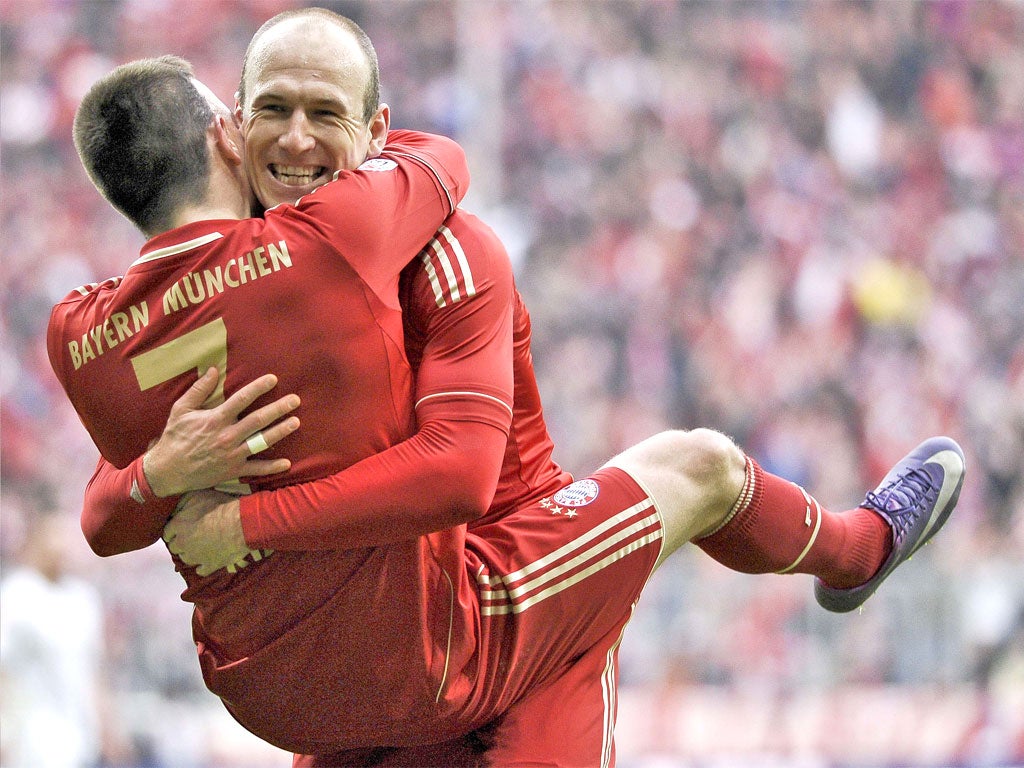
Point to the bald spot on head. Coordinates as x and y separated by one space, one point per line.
312 39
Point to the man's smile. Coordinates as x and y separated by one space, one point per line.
297 175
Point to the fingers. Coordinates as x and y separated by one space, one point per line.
179 523
272 435
258 430
232 567
180 518
250 393
170 534
239 561
263 467
197 394
263 417
256 443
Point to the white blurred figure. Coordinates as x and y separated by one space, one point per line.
51 654
855 127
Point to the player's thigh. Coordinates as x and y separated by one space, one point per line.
568 722
694 478
559 574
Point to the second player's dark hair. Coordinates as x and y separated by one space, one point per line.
140 132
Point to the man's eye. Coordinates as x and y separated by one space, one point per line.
276 108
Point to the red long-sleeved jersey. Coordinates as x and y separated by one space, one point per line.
515 610
467 334
311 290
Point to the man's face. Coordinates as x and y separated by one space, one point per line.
303 119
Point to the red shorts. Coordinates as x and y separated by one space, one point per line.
556 583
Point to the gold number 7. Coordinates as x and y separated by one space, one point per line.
197 351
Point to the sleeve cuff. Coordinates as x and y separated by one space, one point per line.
142 494
249 512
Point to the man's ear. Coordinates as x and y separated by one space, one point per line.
379 125
237 114
227 140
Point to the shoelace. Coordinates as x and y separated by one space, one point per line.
902 497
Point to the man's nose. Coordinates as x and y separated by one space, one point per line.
297 137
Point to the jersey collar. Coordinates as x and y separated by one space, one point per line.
181 240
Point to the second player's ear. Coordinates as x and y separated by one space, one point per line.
380 123
237 113
228 138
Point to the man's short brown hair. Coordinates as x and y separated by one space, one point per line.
140 132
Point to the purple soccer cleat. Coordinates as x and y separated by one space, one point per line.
915 498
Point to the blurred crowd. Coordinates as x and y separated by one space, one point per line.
801 223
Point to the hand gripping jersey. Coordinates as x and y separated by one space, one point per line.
478 410
310 293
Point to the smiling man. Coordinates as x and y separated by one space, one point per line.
166 153
549 574
308 110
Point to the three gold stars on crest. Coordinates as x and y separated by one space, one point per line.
557 510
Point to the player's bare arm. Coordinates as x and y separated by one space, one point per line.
202 448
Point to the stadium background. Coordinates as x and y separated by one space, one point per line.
800 223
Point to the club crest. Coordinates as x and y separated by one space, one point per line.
578 494
378 164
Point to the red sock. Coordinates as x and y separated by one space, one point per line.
776 527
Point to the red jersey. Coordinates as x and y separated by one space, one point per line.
310 293
513 603
445 307
467 335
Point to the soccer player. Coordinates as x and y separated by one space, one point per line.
467 334
309 287
700 481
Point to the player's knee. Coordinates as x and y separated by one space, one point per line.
710 458
694 477
702 457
